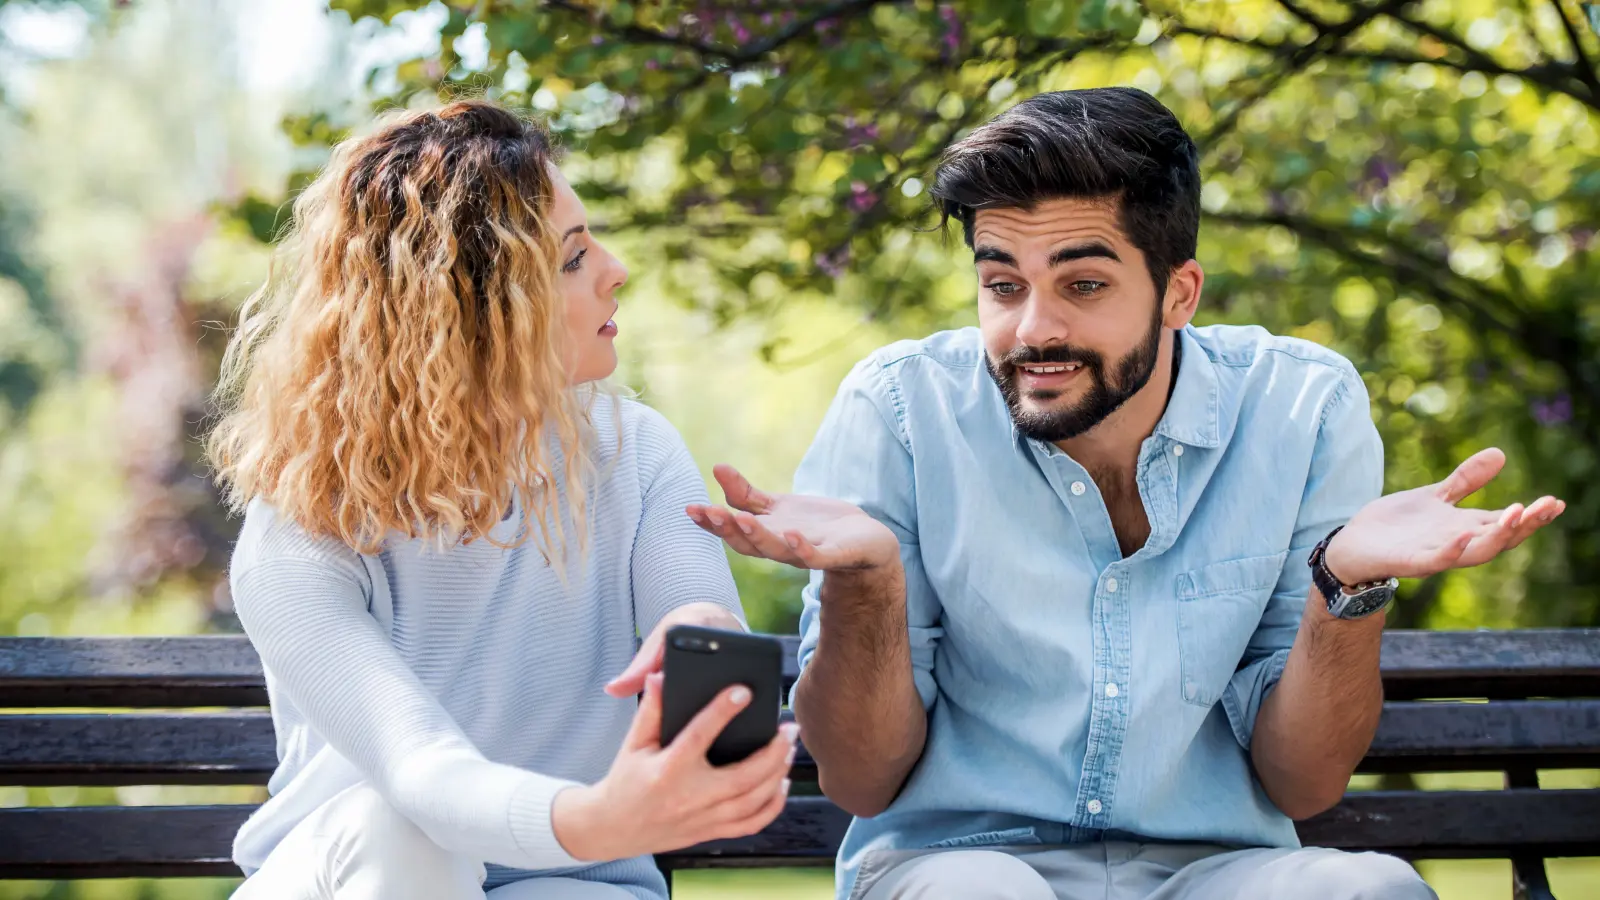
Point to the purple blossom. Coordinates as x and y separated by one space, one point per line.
1581 238
832 264
651 64
862 198
740 33
597 40
766 18
952 33
856 135
1555 411
1382 170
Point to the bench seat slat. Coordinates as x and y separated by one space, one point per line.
111 842
1462 824
238 747
119 841
223 670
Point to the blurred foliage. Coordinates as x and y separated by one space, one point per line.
1413 183
33 337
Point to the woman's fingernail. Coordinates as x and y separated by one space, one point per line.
715 519
745 528
740 696
786 784
791 731
789 760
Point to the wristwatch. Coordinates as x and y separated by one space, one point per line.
1354 601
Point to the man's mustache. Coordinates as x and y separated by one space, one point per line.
1058 353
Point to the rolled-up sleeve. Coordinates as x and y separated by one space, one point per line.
1346 474
861 455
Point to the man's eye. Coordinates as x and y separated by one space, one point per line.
1085 286
576 261
1003 288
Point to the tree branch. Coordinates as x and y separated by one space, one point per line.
1485 307
1329 38
1585 63
1554 76
744 55
1477 60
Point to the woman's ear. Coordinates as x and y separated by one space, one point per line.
1183 295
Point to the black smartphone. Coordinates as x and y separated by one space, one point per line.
699 663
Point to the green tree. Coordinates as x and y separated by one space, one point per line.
34 338
1413 183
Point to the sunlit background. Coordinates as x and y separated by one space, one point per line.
1418 190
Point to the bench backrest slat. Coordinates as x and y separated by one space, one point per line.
223 670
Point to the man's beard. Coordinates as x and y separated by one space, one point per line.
1105 396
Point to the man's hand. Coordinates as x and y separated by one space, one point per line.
648 660
803 531
1421 532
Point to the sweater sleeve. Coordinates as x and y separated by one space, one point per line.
674 562
308 620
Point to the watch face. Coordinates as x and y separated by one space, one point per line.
1365 603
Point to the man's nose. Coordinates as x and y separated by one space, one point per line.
1041 324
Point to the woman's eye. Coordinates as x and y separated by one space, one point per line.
1085 286
1003 288
576 261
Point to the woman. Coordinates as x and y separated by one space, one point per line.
452 540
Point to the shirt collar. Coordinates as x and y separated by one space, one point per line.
1192 416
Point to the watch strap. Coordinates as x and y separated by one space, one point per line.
1347 601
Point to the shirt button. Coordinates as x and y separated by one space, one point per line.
1078 489
1094 807
1177 449
1111 585
1112 690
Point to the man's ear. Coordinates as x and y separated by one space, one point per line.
1183 295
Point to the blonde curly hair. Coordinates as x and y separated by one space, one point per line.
403 369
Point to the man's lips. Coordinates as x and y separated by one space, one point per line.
1048 375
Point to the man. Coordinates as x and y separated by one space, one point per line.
1097 595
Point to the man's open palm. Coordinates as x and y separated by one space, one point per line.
801 530
1421 532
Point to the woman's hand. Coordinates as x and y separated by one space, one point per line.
657 799
648 660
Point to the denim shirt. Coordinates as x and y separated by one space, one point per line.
1075 694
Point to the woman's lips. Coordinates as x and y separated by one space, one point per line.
609 329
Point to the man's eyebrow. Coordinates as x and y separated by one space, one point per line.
576 229
1083 251
986 253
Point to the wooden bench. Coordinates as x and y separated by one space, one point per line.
1511 702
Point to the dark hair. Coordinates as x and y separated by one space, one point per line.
1113 142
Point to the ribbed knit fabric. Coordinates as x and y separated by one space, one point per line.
465 684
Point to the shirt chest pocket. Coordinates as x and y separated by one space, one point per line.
1219 608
